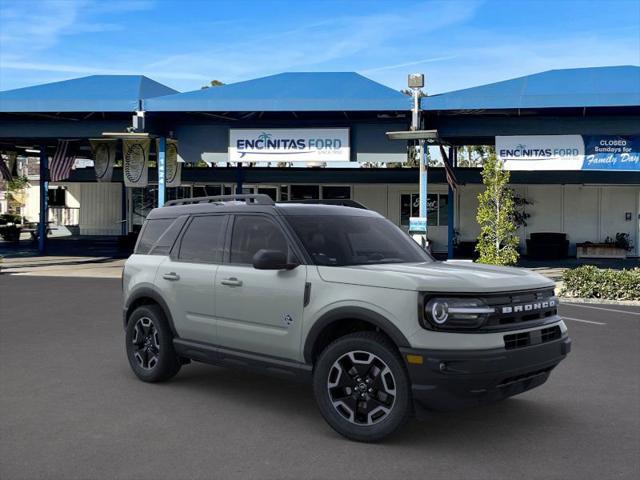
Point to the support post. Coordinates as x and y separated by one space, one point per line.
239 178
123 209
162 178
44 200
423 179
453 157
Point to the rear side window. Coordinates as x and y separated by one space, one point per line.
203 241
152 231
168 238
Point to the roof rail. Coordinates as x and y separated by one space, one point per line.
342 202
257 199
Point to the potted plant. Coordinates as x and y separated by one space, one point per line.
617 247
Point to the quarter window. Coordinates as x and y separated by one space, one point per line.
203 242
152 231
252 233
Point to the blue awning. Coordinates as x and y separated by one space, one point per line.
577 87
288 92
96 93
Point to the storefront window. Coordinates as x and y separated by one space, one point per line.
176 193
206 190
336 192
437 213
305 192
143 200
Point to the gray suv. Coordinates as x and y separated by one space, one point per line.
338 296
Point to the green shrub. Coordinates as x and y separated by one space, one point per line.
593 282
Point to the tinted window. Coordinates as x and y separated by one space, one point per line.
168 238
252 233
340 240
335 192
152 231
305 192
203 241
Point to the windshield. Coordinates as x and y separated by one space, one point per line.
341 240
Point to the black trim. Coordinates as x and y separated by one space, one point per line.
355 313
215 355
307 293
451 379
146 292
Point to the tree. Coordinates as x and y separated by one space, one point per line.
213 83
497 242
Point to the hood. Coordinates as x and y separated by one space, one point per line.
450 276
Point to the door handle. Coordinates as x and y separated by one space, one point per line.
173 276
232 282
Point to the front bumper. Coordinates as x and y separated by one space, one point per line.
450 379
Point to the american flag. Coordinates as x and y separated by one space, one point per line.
62 161
448 169
5 172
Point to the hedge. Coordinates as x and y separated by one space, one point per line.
593 282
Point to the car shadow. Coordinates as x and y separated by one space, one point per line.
498 422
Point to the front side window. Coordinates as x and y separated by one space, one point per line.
203 241
252 233
342 240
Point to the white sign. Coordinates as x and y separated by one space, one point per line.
541 152
289 145
418 225
104 157
136 162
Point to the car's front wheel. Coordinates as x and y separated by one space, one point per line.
362 387
149 343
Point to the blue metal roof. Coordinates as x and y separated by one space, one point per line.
96 93
576 87
288 92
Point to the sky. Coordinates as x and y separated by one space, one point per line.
185 44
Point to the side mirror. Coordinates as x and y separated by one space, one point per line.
272 260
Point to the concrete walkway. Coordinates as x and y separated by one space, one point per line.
54 266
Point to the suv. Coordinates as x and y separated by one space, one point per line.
339 296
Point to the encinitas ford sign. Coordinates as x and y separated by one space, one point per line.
541 152
289 145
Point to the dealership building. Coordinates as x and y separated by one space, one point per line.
570 137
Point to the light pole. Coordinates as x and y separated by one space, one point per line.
418 228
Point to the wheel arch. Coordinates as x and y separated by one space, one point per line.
331 321
148 296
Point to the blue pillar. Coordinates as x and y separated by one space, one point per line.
453 158
162 179
44 200
123 208
423 179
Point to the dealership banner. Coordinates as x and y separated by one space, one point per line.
173 165
135 154
611 152
289 145
541 152
104 157
569 152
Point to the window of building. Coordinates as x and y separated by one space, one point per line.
252 233
437 212
57 197
336 192
203 242
207 190
305 192
177 193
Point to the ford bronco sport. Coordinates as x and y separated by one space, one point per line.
337 295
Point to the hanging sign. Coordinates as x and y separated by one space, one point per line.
417 224
135 154
289 145
541 152
104 157
173 166
611 152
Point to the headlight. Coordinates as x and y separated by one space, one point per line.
456 312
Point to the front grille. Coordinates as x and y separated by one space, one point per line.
518 307
524 377
534 337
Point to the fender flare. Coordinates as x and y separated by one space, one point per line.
356 313
147 292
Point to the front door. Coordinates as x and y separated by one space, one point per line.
259 310
187 277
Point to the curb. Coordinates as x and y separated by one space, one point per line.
599 301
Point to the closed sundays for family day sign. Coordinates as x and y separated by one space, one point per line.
569 152
289 145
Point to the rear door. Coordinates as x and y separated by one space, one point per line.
187 277
259 311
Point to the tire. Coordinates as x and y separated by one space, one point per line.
149 345
371 402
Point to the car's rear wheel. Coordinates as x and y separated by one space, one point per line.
362 387
149 343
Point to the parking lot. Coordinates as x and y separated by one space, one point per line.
71 408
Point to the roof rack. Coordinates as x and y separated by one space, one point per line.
257 199
342 202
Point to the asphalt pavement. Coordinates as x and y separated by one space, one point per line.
70 408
